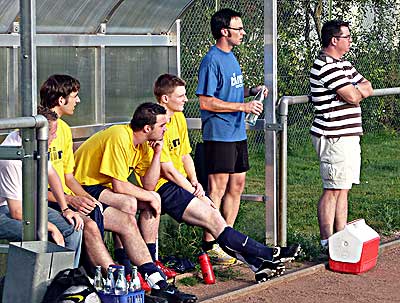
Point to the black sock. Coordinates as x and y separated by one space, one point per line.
152 249
153 275
122 258
207 245
234 243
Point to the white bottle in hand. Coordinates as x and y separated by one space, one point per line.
251 118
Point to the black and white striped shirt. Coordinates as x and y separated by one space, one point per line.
333 117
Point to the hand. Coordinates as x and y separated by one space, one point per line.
84 205
198 189
208 201
255 107
71 215
156 145
254 90
56 235
155 203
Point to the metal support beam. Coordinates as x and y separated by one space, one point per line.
28 95
270 80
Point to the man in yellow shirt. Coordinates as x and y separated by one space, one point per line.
183 198
104 163
60 94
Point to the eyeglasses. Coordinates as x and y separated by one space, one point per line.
348 37
236 28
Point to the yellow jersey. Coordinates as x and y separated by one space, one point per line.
61 154
176 144
109 154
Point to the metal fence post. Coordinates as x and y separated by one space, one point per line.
28 96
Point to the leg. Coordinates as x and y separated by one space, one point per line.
126 227
94 245
217 184
341 210
148 222
10 229
72 238
326 212
231 201
236 244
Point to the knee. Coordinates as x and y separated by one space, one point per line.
130 206
91 229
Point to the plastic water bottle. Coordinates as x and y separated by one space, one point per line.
206 268
109 285
121 287
98 282
251 118
135 281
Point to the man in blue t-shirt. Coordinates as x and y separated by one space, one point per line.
221 93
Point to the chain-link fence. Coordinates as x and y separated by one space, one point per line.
375 52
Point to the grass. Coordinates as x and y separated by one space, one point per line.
376 199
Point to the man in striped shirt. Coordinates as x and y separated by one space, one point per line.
337 90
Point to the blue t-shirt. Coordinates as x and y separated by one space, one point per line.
220 76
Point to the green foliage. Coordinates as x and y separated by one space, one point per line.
189 281
179 239
226 273
375 49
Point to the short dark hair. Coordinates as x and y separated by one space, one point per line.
166 84
331 29
47 113
57 86
146 114
222 19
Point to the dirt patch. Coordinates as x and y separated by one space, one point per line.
381 284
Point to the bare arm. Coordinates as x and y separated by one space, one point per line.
82 201
190 169
58 192
170 173
150 179
15 207
352 95
217 105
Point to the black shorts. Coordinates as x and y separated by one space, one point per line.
174 200
226 157
95 191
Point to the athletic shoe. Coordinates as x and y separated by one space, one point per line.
143 284
154 299
169 272
219 257
173 295
286 254
268 270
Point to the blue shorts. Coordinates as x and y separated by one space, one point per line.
174 200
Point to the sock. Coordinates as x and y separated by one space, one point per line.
123 259
152 249
207 245
153 276
324 243
234 243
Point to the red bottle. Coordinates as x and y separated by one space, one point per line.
206 268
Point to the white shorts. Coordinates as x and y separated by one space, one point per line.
340 161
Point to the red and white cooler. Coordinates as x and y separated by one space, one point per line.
354 249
